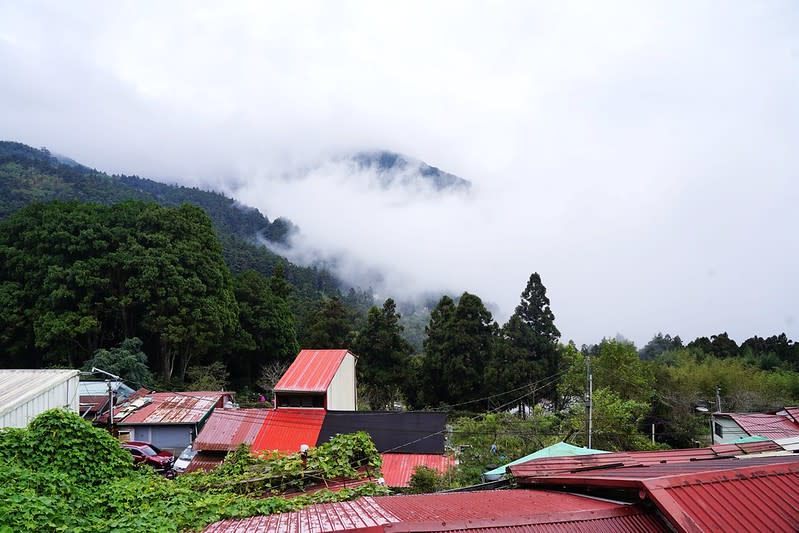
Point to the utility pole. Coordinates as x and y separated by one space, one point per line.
110 395
590 400
718 400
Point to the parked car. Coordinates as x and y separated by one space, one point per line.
146 453
183 460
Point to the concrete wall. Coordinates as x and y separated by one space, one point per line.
341 393
64 395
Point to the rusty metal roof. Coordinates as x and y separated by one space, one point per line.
765 425
170 408
285 429
363 514
226 429
399 467
508 510
205 461
311 371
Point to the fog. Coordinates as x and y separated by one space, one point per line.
640 156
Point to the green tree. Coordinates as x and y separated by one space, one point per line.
658 344
127 361
329 327
529 351
383 356
460 341
267 322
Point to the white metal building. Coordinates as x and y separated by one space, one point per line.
26 393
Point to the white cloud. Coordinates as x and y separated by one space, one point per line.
641 157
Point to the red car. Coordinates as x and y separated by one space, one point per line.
146 453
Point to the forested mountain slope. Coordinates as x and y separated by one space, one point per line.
30 175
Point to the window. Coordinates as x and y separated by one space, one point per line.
301 400
718 429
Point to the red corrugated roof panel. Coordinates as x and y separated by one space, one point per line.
509 510
362 514
311 371
399 467
769 426
286 429
172 408
227 428
755 498
549 466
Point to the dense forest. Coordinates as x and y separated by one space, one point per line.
166 287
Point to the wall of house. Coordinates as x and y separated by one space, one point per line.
172 438
64 395
341 393
730 431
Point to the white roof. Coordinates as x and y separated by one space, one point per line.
19 386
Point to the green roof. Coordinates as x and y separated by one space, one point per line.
561 449
744 440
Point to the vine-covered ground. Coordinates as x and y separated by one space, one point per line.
63 474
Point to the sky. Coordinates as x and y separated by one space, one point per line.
640 156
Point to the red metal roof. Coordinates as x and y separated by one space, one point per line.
363 514
311 371
171 408
765 425
227 428
399 467
549 466
286 429
749 498
757 493
92 404
508 510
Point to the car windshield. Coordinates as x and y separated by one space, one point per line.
149 449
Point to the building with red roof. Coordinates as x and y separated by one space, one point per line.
723 488
319 379
728 427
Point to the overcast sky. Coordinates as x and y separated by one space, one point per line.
641 156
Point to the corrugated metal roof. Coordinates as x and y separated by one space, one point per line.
311 371
510 510
394 431
17 386
624 519
92 404
358 515
487 504
286 429
399 467
759 493
172 408
560 449
538 468
205 461
765 425
226 429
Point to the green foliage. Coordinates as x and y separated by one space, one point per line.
384 356
425 480
329 326
267 322
127 361
528 351
62 474
474 437
460 342
211 377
